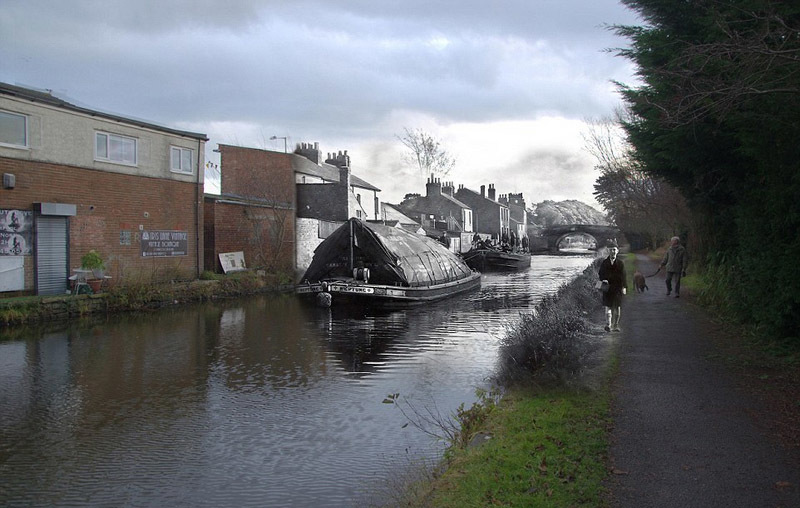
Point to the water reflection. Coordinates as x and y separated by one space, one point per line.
262 401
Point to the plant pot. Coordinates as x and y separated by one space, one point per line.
95 284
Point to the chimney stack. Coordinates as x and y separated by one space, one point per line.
483 191
433 187
448 189
491 191
310 152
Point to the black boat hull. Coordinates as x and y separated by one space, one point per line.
486 260
357 291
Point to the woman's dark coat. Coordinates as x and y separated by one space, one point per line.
614 273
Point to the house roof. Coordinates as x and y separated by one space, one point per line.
45 97
477 195
327 172
440 204
393 213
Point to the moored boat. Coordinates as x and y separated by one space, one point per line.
377 263
489 259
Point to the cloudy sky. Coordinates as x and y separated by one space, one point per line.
505 86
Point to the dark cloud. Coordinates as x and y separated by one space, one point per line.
324 69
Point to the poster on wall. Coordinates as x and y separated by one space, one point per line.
164 243
232 261
16 233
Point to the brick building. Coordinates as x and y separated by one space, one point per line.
328 193
277 207
254 212
76 179
491 217
518 215
439 211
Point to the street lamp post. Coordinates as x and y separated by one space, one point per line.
284 141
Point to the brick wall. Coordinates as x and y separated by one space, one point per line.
108 205
255 173
255 211
266 236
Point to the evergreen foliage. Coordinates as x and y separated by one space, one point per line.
718 116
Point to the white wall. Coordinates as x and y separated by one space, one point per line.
68 137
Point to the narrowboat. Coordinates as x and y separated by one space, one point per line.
485 259
375 263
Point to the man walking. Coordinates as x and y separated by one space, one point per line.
676 260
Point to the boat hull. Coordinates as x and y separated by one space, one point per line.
357 291
485 260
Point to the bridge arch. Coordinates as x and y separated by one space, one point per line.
558 243
601 234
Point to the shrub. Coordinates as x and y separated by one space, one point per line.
92 261
549 342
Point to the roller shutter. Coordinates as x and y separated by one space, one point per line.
51 255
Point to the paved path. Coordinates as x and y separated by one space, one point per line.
682 435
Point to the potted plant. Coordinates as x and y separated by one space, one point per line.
94 262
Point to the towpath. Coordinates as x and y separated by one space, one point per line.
684 435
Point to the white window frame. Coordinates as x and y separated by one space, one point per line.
26 144
181 169
106 158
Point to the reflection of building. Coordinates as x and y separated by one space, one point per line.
94 180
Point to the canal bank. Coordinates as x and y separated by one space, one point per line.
688 413
545 442
135 297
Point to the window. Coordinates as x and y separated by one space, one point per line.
13 129
181 159
114 148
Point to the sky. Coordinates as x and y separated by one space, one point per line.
505 86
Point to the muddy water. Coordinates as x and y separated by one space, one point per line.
261 401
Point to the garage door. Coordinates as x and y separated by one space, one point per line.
51 255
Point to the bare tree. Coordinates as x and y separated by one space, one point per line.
426 153
270 215
637 202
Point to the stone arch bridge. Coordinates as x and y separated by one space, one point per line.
601 234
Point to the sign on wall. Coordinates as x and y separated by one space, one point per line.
232 261
16 233
164 243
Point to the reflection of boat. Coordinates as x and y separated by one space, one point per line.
488 259
378 263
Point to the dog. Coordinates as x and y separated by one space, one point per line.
639 282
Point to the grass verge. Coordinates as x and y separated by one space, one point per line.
549 448
549 432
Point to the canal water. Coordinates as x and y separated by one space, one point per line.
260 401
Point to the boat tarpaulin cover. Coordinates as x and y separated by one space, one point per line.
394 256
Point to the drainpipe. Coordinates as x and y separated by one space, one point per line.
198 203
